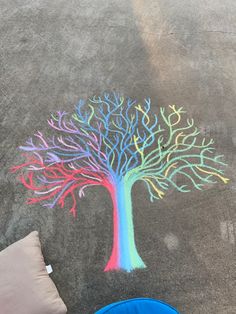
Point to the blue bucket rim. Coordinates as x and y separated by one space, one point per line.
115 304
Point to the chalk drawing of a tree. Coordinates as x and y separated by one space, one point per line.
113 142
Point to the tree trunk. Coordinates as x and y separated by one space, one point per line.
124 253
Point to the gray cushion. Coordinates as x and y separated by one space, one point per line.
25 287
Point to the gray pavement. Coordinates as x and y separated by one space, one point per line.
183 52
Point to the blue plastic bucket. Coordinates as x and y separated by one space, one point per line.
138 306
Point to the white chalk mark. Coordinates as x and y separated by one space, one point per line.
227 231
231 233
224 230
171 241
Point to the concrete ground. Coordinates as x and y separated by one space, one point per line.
52 52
